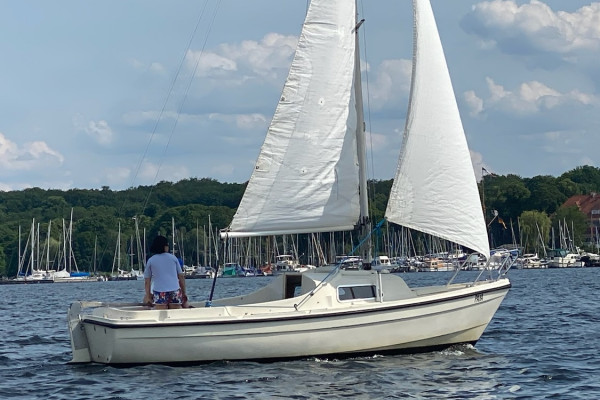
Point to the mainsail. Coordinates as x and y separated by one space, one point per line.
435 190
306 178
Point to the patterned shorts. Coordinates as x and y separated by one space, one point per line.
173 297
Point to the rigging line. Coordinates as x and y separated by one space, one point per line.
159 117
364 37
187 90
162 111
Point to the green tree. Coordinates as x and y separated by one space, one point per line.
534 227
2 262
568 187
505 194
570 227
545 194
586 177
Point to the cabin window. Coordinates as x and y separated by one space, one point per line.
356 292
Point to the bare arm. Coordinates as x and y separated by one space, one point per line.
148 295
181 278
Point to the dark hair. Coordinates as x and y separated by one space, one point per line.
158 245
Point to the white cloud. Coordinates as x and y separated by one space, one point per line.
497 92
529 98
535 26
100 132
250 121
29 156
157 68
207 63
154 67
474 103
391 82
533 91
376 141
266 58
478 164
8 150
242 121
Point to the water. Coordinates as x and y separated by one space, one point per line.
542 343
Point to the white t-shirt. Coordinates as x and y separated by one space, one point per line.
163 269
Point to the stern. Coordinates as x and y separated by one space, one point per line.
79 342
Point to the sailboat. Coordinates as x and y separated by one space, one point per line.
70 272
328 311
120 275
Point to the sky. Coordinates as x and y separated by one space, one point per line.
127 93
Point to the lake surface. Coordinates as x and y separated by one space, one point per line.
542 343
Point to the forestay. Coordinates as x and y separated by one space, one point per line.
306 176
435 190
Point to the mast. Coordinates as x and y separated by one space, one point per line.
119 250
197 243
20 258
173 230
33 245
48 247
65 236
361 149
37 245
95 245
139 248
131 253
70 239
204 244
210 243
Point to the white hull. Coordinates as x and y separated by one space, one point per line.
77 279
324 325
570 262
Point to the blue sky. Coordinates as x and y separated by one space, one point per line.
83 85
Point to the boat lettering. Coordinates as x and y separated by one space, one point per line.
478 297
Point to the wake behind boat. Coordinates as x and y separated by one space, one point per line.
314 153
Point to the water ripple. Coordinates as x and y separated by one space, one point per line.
541 344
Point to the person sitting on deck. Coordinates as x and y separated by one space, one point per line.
164 278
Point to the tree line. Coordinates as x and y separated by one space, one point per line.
97 214
518 210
